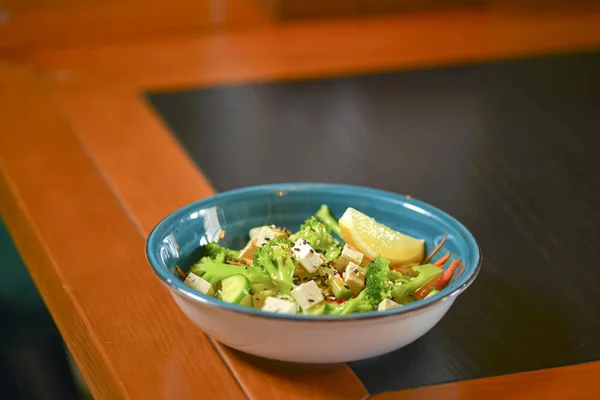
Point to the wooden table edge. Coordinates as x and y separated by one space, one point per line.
567 382
33 176
328 48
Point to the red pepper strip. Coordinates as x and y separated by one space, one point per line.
441 261
437 248
235 263
445 277
180 272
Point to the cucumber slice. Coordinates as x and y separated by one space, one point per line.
319 309
339 288
247 301
234 288
260 286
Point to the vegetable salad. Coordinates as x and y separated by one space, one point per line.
327 267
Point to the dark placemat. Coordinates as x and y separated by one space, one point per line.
509 148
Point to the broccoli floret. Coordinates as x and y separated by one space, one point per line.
377 284
259 279
395 275
425 273
360 303
316 233
324 215
398 277
275 259
215 270
213 249
377 288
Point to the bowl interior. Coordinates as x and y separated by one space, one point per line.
228 216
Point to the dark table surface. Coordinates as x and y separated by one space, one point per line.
509 148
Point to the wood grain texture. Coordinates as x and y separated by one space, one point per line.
153 181
144 165
272 380
573 382
293 9
27 24
87 260
324 48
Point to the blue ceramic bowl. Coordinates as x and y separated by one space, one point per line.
227 217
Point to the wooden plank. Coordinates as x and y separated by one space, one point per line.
571 382
307 49
27 23
294 9
86 258
109 121
151 181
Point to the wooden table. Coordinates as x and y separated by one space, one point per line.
87 167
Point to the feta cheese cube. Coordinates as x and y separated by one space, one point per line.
354 278
279 306
387 304
306 256
201 285
349 254
307 295
268 233
249 250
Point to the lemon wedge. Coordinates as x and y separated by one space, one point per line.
375 239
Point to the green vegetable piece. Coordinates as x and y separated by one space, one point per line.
377 288
434 291
377 284
396 276
317 234
275 259
426 273
214 250
247 301
235 288
338 288
318 309
324 215
259 279
215 270
360 303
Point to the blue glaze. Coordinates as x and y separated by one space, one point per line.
228 216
